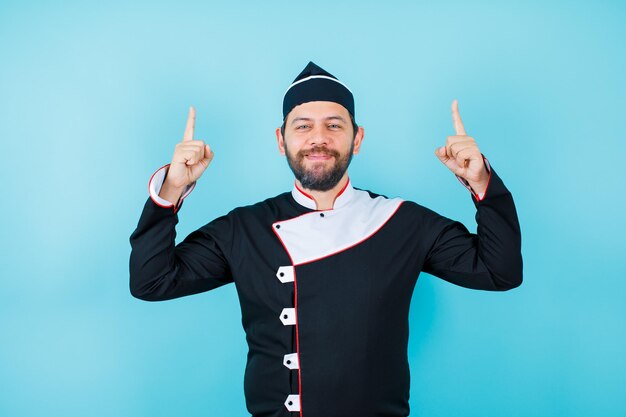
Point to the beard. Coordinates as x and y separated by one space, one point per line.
317 177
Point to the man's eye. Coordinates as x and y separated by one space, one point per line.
334 126
301 126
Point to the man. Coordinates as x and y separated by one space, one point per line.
325 273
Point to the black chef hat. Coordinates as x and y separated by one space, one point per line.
315 84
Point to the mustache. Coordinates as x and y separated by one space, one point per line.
318 150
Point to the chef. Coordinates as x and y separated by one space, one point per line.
325 272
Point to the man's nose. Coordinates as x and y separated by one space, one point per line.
318 136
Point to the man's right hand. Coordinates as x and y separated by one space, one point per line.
191 158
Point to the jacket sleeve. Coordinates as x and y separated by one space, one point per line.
161 270
491 259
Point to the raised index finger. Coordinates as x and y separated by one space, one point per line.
456 118
191 122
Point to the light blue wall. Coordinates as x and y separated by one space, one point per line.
93 98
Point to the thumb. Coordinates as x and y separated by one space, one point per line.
208 155
198 169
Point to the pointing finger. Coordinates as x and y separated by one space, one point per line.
456 118
191 122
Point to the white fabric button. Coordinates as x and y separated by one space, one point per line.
291 361
288 316
285 274
293 402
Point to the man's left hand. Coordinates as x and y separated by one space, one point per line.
462 156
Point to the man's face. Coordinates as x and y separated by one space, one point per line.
319 142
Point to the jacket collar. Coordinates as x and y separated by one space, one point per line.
342 199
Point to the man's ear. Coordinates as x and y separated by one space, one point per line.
280 141
358 139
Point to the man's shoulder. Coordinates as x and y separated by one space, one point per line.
272 206
407 204
407 210
372 194
264 211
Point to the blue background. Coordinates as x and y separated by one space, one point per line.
94 97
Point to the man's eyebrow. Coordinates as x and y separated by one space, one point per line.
336 118
298 119
308 119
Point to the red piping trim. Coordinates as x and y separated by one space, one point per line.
180 202
488 166
486 188
295 306
303 193
310 197
341 192
150 193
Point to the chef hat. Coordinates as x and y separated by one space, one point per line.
315 84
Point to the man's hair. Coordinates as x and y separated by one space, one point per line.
355 127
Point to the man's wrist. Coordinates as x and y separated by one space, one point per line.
171 193
479 187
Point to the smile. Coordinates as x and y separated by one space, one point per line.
318 156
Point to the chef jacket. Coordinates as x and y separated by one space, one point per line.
325 294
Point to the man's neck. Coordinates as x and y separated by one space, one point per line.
324 200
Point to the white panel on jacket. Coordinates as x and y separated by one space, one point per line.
323 233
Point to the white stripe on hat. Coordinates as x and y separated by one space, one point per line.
316 76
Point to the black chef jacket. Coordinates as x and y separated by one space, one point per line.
325 294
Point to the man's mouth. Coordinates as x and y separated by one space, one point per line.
319 154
